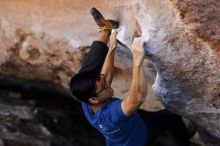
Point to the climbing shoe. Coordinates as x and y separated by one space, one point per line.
102 23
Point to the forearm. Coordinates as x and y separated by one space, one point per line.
108 66
138 90
137 93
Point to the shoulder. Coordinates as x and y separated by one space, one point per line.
86 109
114 110
114 103
84 105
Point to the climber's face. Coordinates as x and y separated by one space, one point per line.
103 90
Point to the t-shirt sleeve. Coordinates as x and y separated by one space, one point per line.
83 105
117 115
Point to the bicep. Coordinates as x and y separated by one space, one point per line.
129 107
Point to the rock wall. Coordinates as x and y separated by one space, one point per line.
187 62
48 39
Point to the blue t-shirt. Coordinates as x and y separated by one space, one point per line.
116 127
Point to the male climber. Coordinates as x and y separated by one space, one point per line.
118 120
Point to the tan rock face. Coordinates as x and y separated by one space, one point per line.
48 39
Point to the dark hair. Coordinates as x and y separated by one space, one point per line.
83 85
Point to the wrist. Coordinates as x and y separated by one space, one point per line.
137 65
111 50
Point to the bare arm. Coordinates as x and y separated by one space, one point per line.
108 66
138 89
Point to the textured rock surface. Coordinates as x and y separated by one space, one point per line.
48 44
47 40
187 62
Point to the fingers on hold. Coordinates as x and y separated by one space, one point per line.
114 31
137 40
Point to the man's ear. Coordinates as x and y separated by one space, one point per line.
93 100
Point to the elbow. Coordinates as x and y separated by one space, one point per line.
131 104
139 100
